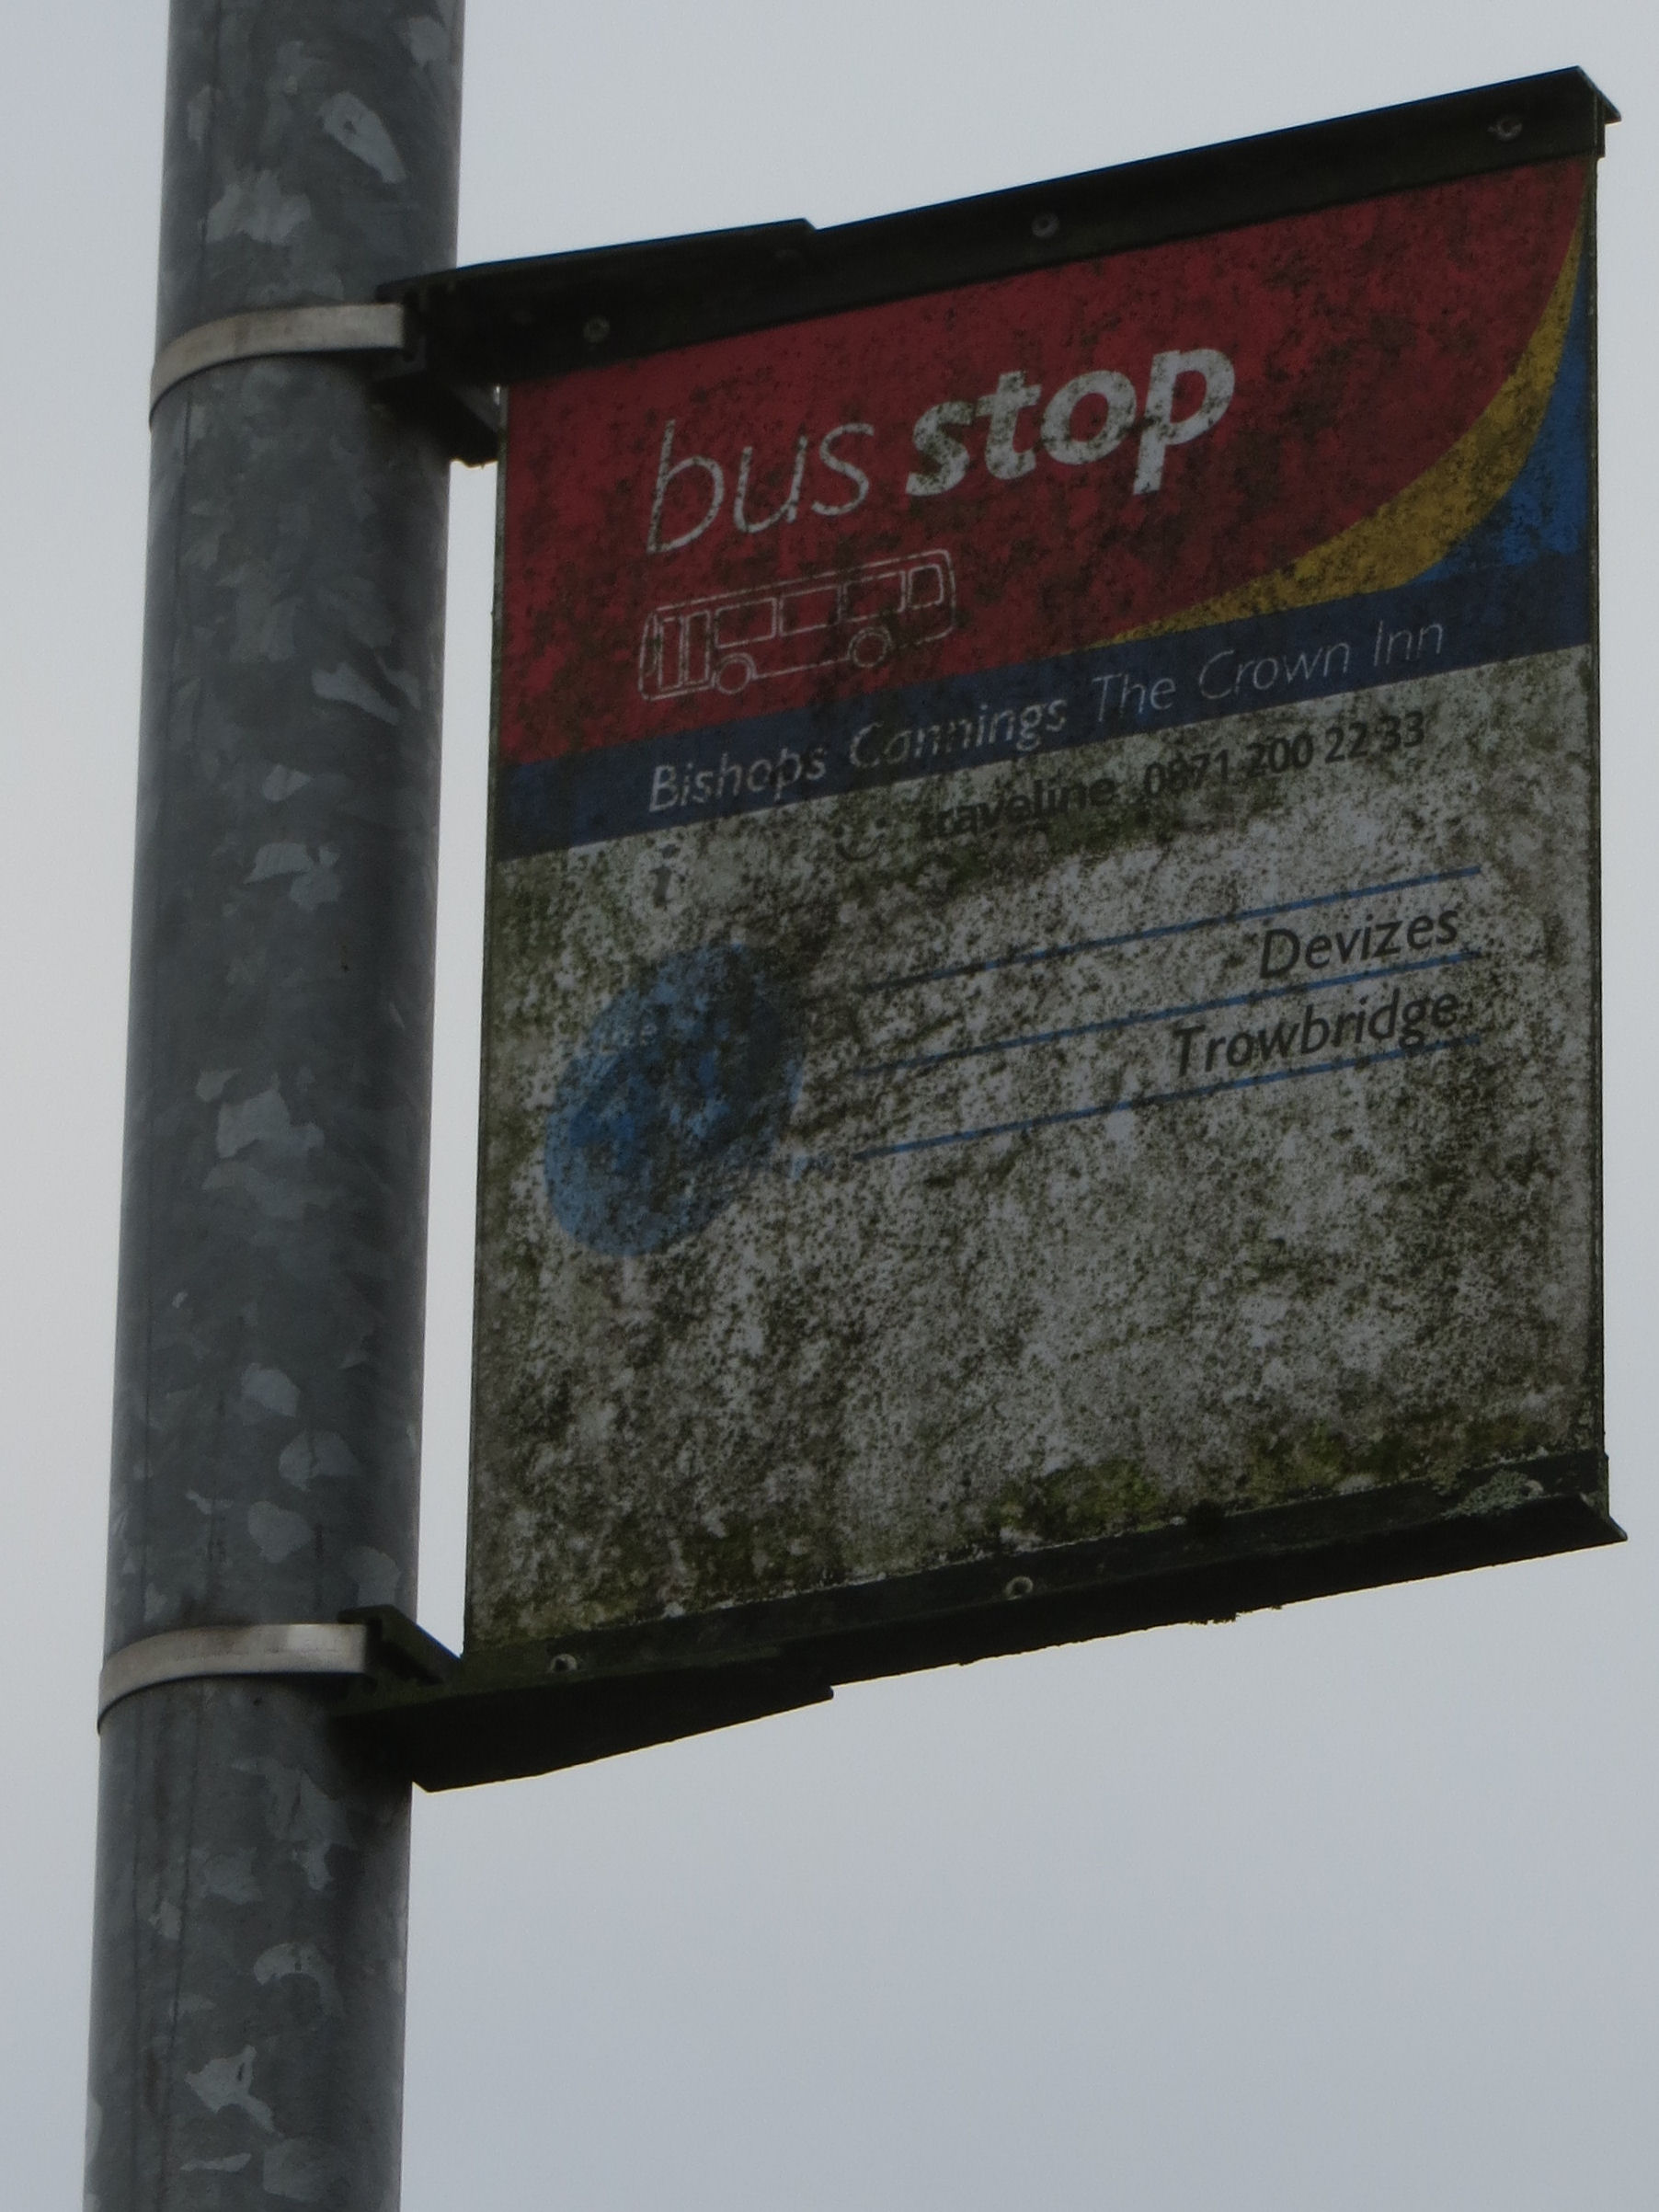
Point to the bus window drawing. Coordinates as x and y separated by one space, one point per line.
727 640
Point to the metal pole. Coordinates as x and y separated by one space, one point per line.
252 1876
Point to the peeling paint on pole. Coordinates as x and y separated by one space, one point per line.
1043 988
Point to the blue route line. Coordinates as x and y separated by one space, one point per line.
1165 929
1163 1013
1159 1098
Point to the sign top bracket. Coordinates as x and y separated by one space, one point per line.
506 322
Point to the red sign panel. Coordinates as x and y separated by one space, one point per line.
987 478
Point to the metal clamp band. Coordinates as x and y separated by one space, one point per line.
363 327
190 1655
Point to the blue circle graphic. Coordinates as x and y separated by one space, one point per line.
673 1100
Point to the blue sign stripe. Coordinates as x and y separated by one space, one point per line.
1445 622
1142 1102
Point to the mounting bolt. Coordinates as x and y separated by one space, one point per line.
595 330
1046 225
1508 129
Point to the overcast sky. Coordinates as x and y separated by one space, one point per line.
1349 1907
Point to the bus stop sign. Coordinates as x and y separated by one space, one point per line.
1042 1010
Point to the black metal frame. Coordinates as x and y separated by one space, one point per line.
505 1711
504 322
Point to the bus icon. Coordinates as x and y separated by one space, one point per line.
729 640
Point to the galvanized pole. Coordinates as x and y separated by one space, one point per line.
248 1976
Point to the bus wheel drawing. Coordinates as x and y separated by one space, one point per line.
735 673
673 1100
869 648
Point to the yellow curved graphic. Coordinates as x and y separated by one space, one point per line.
1419 525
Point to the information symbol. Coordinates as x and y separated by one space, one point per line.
673 1100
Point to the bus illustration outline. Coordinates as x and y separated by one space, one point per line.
727 641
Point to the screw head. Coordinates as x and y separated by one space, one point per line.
1508 129
1021 1586
595 330
1045 225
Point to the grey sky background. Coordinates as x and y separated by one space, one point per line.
1353 1906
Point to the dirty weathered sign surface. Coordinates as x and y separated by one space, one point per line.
1042 1005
